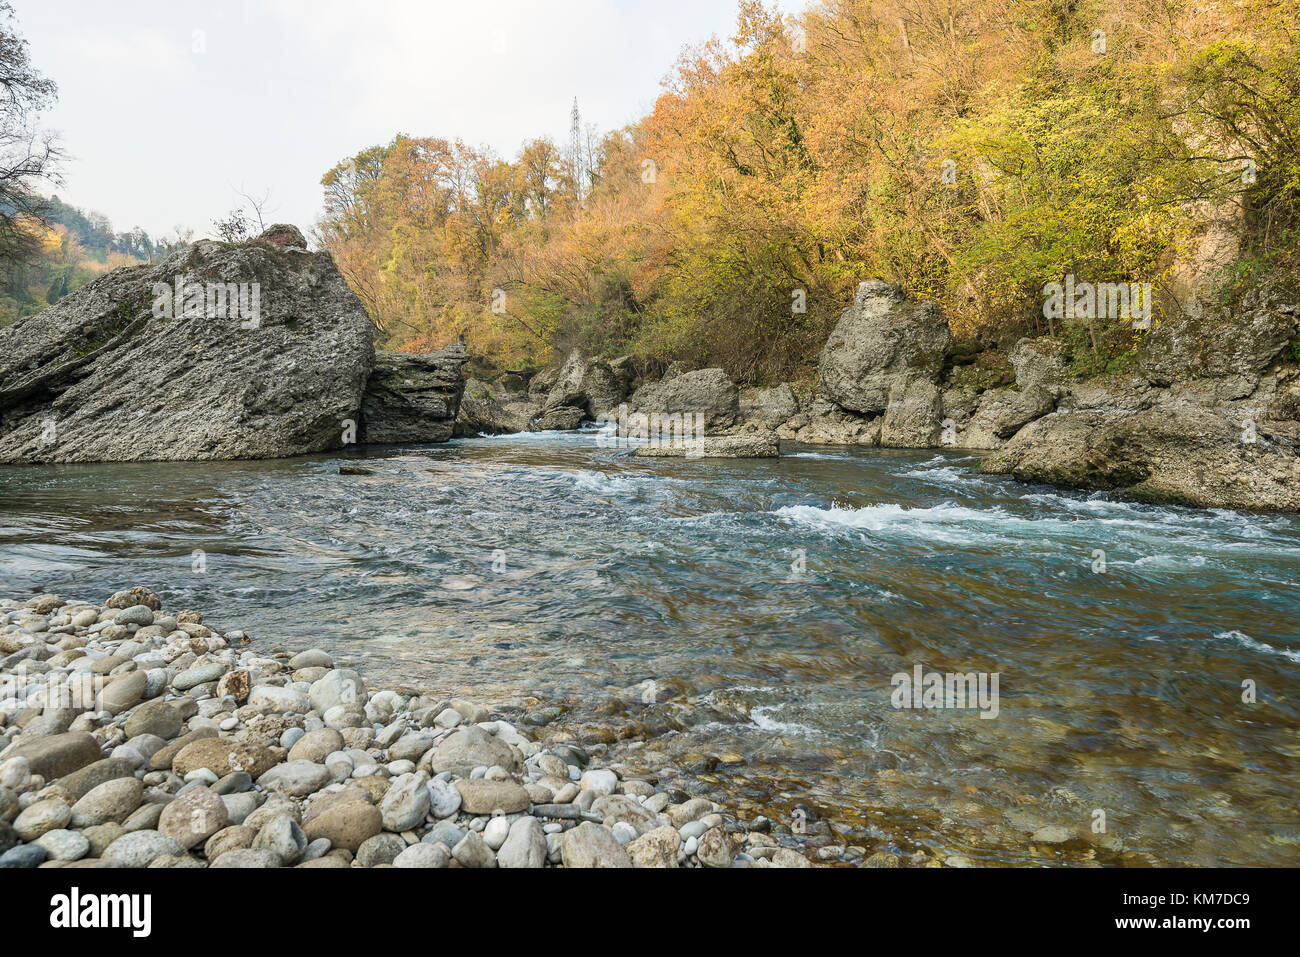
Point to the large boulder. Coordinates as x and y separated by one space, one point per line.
999 414
482 412
825 423
710 392
882 340
1177 453
219 351
558 418
1041 365
768 408
587 384
914 416
413 398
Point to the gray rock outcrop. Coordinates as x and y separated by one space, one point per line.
219 351
587 384
1224 342
1180 453
482 412
413 398
884 339
710 392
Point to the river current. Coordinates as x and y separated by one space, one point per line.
742 624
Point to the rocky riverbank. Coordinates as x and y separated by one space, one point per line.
1207 415
261 350
134 736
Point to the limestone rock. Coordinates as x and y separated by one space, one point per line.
710 392
413 398
1172 454
883 339
593 845
746 445
266 354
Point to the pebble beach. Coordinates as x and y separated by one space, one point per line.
135 736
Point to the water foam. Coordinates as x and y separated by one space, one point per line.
1243 639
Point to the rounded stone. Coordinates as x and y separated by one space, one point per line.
123 693
423 855
601 781
64 845
223 756
311 658
444 799
199 674
113 800
316 746
233 838
248 858
593 845
406 803
296 778
380 849
284 836
41 818
347 825
23 856
139 848
481 796
193 816
154 717
59 754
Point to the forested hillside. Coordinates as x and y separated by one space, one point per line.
68 247
974 150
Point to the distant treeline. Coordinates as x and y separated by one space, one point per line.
974 150
69 248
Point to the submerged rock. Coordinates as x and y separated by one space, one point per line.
748 445
417 792
219 351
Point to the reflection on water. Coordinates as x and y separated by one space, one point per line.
770 602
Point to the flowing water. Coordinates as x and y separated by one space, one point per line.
739 623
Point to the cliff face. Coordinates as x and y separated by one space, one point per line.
256 350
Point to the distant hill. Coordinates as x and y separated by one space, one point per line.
74 247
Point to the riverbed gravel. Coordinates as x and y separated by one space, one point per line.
133 736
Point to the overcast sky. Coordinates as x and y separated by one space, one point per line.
167 107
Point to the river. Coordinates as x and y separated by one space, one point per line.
741 623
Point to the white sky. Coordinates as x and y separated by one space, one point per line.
160 135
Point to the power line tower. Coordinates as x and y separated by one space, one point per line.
576 165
